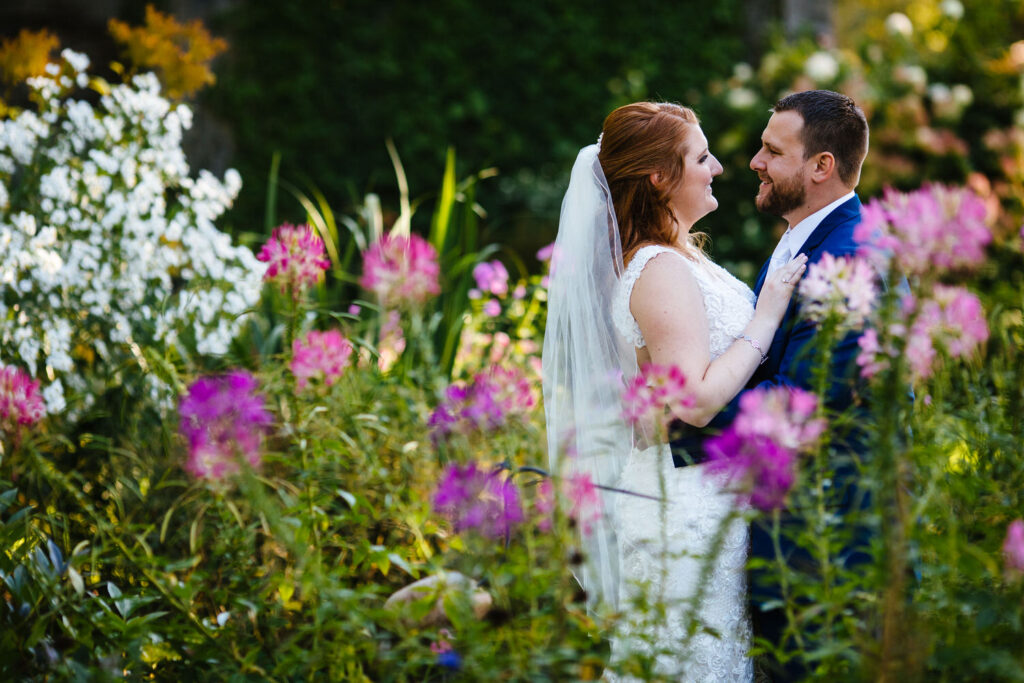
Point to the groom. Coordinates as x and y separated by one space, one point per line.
809 165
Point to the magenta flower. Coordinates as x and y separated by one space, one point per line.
758 465
651 396
490 401
223 419
475 499
1013 548
933 227
839 286
21 404
295 258
492 277
319 355
400 270
758 452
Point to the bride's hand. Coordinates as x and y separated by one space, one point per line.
778 288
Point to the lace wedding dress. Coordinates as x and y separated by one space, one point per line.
662 546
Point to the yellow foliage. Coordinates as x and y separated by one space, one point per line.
179 53
26 55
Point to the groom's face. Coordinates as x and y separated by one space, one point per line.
780 165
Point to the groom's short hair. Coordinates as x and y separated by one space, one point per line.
832 123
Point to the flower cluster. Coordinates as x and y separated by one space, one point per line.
1013 548
223 419
20 401
653 393
582 495
486 403
319 355
401 270
473 498
759 450
107 244
840 287
933 227
492 278
295 258
952 319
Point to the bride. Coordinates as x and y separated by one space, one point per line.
631 285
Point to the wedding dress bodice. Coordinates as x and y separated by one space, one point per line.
728 303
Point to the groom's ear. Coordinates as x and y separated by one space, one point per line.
824 167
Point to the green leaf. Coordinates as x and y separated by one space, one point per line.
76 581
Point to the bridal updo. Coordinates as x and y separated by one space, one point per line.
638 140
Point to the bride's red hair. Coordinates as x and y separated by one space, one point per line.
638 140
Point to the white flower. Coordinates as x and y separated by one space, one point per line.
953 9
912 75
53 394
103 261
742 72
76 60
962 95
899 24
821 67
741 98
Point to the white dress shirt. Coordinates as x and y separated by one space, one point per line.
795 236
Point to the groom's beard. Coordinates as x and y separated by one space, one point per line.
782 196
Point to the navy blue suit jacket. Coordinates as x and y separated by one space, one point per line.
790 361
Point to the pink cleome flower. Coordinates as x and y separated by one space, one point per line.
759 450
223 419
935 226
473 498
583 500
295 258
653 393
21 404
319 355
400 270
1013 548
952 319
841 286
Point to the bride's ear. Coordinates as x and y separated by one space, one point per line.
655 178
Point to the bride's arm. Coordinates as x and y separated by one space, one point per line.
669 309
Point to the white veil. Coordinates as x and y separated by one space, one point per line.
586 361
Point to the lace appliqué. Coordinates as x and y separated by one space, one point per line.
728 303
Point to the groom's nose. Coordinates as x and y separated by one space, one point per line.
757 163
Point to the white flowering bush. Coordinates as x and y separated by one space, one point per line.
107 244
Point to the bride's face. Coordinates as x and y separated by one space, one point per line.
692 199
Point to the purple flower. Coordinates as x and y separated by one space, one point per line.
450 660
21 404
492 308
223 419
1013 548
295 258
935 226
758 452
400 270
475 499
756 463
486 403
492 277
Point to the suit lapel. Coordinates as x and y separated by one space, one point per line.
846 211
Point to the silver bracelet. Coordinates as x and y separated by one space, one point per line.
756 346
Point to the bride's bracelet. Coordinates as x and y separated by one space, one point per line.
756 346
